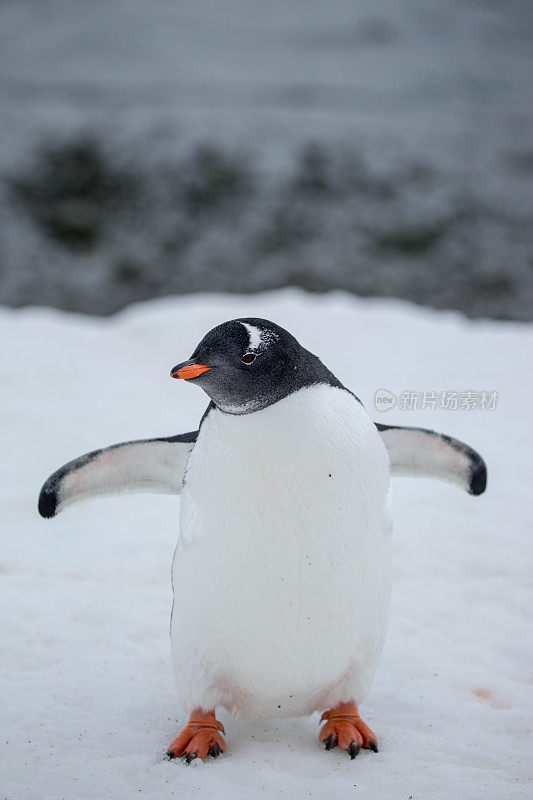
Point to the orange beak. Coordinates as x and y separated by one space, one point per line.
187 371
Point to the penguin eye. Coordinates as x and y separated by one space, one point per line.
248 358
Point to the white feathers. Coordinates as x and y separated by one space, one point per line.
158 465
152 465
282 571
259 337
255 334
424 453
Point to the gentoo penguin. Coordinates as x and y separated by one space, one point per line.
285 515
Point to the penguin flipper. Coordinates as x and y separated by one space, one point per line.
420 452
147 465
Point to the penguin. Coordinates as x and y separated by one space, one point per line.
285 514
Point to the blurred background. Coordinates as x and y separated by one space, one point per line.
384 148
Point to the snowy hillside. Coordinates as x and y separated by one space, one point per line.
160 148
88 701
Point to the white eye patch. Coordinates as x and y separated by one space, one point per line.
258 337
255 334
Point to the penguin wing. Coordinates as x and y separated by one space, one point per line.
425 453
147 465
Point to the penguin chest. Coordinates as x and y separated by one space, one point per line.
282 562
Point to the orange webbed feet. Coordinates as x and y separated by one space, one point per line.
201 737
345 728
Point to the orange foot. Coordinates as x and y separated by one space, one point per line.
344 727
199 738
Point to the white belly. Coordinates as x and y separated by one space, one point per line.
282 571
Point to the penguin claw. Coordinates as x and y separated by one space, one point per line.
353 749
345 728
189 757
215 750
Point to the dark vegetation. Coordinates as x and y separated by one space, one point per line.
86 230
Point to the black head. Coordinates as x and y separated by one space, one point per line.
247 364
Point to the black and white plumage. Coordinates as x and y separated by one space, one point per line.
158 465
147 465
285 497
420 452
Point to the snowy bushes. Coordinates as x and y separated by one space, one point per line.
70 191
88 230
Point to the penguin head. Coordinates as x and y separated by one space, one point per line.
247 364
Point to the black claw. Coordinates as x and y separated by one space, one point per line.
189 757
373 745
331 741
353 749
170 755
214 750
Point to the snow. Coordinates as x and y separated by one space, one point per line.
89 705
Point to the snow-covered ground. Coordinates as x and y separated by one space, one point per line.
88 702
